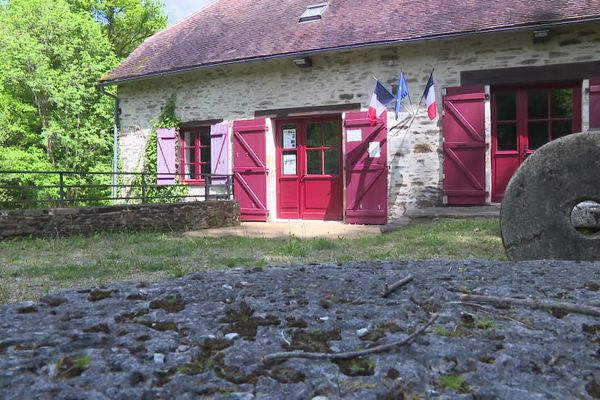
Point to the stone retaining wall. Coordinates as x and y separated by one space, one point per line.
147 217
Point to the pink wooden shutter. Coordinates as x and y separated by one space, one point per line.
595 103
249 168
366 170
464 145
219 151
165 154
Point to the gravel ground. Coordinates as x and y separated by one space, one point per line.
203 335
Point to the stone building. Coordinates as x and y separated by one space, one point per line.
275 92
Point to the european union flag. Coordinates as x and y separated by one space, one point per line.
401 94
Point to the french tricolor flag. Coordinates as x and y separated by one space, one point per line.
379 101
429 95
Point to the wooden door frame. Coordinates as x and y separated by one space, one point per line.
303 121
522 120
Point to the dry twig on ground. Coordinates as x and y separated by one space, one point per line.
352 354
387 290
533 303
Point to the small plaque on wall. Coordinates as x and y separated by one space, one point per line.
353 135
374 150
289 138
289 164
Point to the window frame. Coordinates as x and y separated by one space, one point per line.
198 146
313 12
522 118
322 148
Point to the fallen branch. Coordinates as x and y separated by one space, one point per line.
285 339
387 290
490 312
352 354
533 303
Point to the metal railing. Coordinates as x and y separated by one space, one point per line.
34 189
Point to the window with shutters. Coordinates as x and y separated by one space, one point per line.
195 156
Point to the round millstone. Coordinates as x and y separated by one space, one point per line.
536 210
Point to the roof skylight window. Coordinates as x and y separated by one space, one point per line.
313 13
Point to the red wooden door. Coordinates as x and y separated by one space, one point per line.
249 168
464 145
309 180
526 118
366 169
595 103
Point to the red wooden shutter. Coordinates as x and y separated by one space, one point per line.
219 151
595 103
249 168
464 145
366 169
165 156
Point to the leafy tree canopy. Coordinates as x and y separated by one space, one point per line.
50 61
52 54
126 22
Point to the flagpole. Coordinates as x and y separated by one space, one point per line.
412 112
418 105
420 101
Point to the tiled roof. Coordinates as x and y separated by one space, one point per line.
228 31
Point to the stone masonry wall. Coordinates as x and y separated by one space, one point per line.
415 152
147 217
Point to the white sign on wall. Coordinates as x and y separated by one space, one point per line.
374 150
289 164
353 135
289 138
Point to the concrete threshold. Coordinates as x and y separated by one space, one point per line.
291 228
303 229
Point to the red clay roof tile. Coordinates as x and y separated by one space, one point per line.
228 31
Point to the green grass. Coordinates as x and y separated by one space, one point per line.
455 382
31 267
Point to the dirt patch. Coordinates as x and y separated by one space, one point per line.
99 294
171 304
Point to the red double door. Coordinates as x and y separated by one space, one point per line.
526 118
309 168
523 119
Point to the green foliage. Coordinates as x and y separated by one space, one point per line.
177 271
484 324
440 330
66 367
232 262
50 61
126 23
323 244
82 361
161 194
168 117
455 382
294 248
52 117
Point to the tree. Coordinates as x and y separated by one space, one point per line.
52 54
126 22
51 115
50 61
